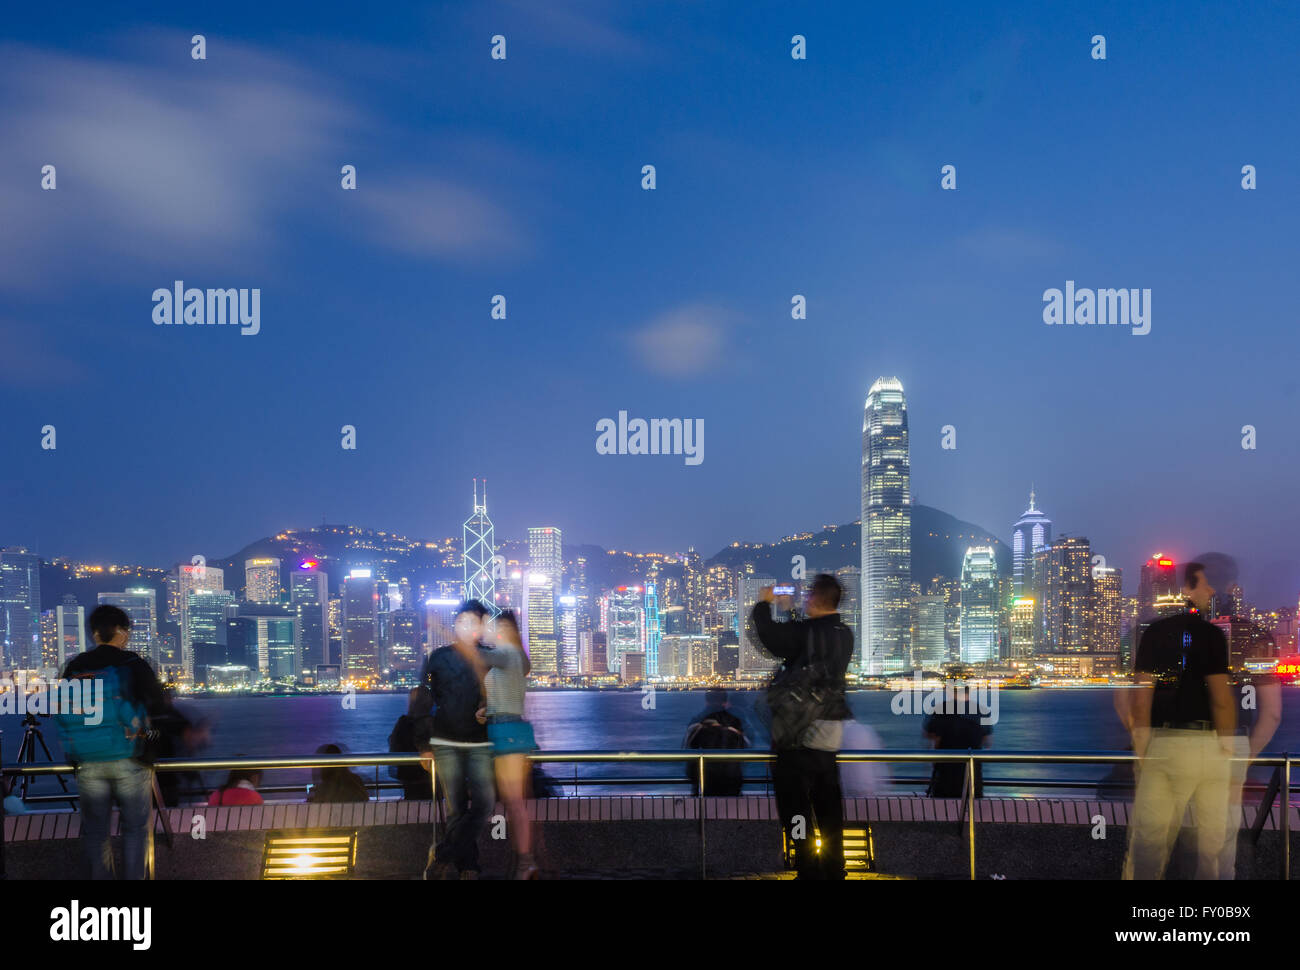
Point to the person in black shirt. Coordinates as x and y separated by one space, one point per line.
1182 720
462 753
805 776
955 731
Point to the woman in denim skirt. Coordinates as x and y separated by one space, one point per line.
511 736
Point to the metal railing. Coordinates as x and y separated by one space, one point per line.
1278 786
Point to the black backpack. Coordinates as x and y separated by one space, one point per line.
797 696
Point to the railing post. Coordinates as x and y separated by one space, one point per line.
704 865
970 811
1286 816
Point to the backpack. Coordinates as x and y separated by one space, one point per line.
122 719
796 697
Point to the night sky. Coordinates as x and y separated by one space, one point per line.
522 177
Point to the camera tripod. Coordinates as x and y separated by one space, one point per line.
27 756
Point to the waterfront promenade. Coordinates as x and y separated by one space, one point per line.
676 836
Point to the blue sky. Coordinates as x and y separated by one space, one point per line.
522 177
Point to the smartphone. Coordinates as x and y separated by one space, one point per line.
782 590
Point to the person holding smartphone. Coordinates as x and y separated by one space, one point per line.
808 708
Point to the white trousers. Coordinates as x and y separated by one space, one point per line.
1181 767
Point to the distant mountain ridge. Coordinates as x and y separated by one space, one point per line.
939 541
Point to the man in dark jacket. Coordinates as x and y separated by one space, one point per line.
806 777
128 781
462 753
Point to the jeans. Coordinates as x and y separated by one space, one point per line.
130 783
1180 767
807 783
467 779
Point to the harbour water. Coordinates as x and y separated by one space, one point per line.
1029 720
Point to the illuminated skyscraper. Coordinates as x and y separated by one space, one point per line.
598 656
1068 600
543 641
755 661
20 608
1022 628
62 634
979 605
1031 532
360 626
850 578
546 553
439 622
480 548
696 583
404 648
274 634
192 579
70 628
886 530
632 667
653 633
570 661
582 590
309 597
1158 578
929 646
727 654
624 616
1107 610
205 630
262 580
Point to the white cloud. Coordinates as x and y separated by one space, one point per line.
161 159
685 341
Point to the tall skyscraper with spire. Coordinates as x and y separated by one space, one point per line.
480 550
886 542
1031 532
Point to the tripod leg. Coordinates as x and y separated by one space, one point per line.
49 757
25 756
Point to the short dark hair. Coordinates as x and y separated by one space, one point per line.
1191 574
473 606
826 590
105 620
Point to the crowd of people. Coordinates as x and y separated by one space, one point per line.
466 721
